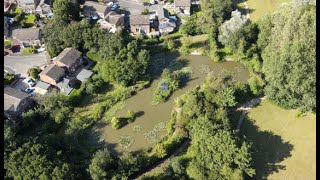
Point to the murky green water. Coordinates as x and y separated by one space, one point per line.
150 115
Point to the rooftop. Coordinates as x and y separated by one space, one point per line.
184 3
68 56
139 19
12 98
84 74
95 6
43 85
27 34
53 71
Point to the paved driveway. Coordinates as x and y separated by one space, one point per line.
19 64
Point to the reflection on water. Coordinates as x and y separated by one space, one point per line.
153 115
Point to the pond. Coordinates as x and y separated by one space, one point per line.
150 124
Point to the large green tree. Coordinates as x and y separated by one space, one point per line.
289 57
101 165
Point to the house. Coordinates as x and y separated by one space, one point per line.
139 24
114 20
166 24
27 4
70 59
26 36
84 74
52 74
92 9
44 7
183 6
15 103
42 88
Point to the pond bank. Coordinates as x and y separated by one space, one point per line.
152 116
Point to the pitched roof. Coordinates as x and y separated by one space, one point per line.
113 18
68 56
26 1
84 74
167 24
163 13
139 20
27 34
182 3
53 71
43 85
12 98
95 6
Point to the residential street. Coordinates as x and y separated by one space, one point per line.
135 7
19 64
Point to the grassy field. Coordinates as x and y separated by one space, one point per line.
284 145
258 8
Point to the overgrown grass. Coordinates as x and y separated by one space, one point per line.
284 145
259 8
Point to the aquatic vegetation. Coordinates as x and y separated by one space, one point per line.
126 141
150 136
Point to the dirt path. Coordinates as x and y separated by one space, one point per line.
177 152
246 107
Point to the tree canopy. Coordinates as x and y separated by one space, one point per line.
289 57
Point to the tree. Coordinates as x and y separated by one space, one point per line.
191 26
61 10
289 59
101 165
34 73
30 161
230 26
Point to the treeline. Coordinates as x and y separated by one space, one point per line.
279 49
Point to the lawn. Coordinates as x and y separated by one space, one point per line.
258 8
30 18
17 10
284 145
7 42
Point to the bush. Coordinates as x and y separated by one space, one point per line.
34 73
8 78
118 123
131 116
98 112
145 11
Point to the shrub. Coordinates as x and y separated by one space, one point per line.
145 11
131 117
34 73
118 123
98 111
8 78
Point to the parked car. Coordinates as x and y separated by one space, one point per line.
29 81
110 4
152 2
41 50
29 90
114 7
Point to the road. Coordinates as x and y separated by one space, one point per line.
19 64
